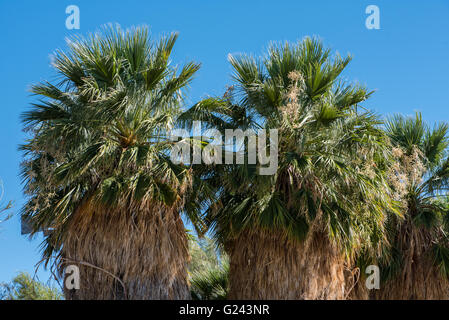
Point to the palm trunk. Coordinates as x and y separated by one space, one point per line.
137 252
268 265
419 277
356 288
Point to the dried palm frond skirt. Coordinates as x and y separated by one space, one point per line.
137 252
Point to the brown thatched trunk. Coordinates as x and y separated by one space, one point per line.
355 285
135 253
418 278
268 265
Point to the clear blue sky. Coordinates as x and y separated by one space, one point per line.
406 61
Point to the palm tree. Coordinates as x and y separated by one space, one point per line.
208 269
416 265
98 172
4 207
25 287
291 235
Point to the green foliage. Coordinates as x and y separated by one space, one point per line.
208 270
441 258
210 284
4 207
204 254
24 287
